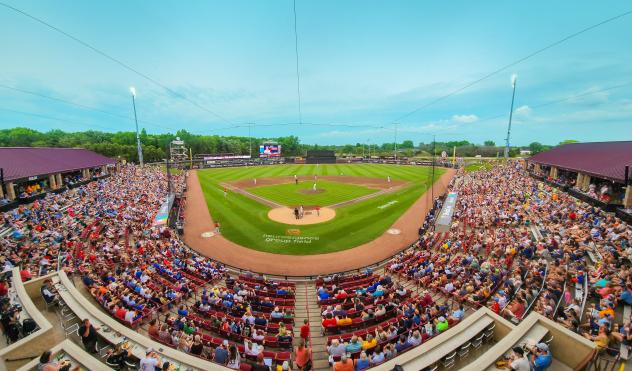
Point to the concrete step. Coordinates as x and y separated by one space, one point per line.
319 344
319 355
321 364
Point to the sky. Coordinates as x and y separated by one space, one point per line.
363 65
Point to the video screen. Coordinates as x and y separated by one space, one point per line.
270 150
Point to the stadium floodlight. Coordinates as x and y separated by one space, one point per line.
138 146
514 79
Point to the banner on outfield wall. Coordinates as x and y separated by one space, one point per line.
444 220
226 157
162 216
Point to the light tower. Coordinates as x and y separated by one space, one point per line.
138 146
514 78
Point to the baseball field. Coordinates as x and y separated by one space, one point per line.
366 199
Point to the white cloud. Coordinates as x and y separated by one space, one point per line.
465 119
523 110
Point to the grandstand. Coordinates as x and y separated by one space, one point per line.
28 173
501 274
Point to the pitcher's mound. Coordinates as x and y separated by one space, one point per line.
310 216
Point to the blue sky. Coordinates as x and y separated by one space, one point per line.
361 63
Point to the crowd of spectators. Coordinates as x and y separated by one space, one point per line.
102 232
515 245
518 245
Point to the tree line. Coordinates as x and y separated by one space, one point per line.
156 146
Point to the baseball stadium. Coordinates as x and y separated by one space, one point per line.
297 185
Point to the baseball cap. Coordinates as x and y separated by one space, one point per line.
543 347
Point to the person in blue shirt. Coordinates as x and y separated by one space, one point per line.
541 358
402 344
626 296
323 295
458 314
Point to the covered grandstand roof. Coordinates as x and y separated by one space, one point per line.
24 162
601 159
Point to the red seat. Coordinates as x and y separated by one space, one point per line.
283 356
216 341
245 367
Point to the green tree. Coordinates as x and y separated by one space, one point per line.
407 144
490 143
536 147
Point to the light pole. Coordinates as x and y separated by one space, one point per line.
395 142
514 78
434 143
139 148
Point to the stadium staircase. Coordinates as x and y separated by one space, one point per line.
306 307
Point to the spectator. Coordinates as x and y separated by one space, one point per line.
302 356
221 353
151 361
345 364
369 343
362 363
233 357
260 365
153 329
402 344
518 360
335 349
378 356
48 293
305 331
540 358
118 356
88 335
197 347
441 324
47 363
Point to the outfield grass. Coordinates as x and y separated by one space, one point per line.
245 221
290 194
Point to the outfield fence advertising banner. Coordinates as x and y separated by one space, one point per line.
226 157
444 220
163 213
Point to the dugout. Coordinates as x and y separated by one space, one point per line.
320 157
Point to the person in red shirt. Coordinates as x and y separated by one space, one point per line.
329 321
305 330
120 313
4 290
342 295
25 274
